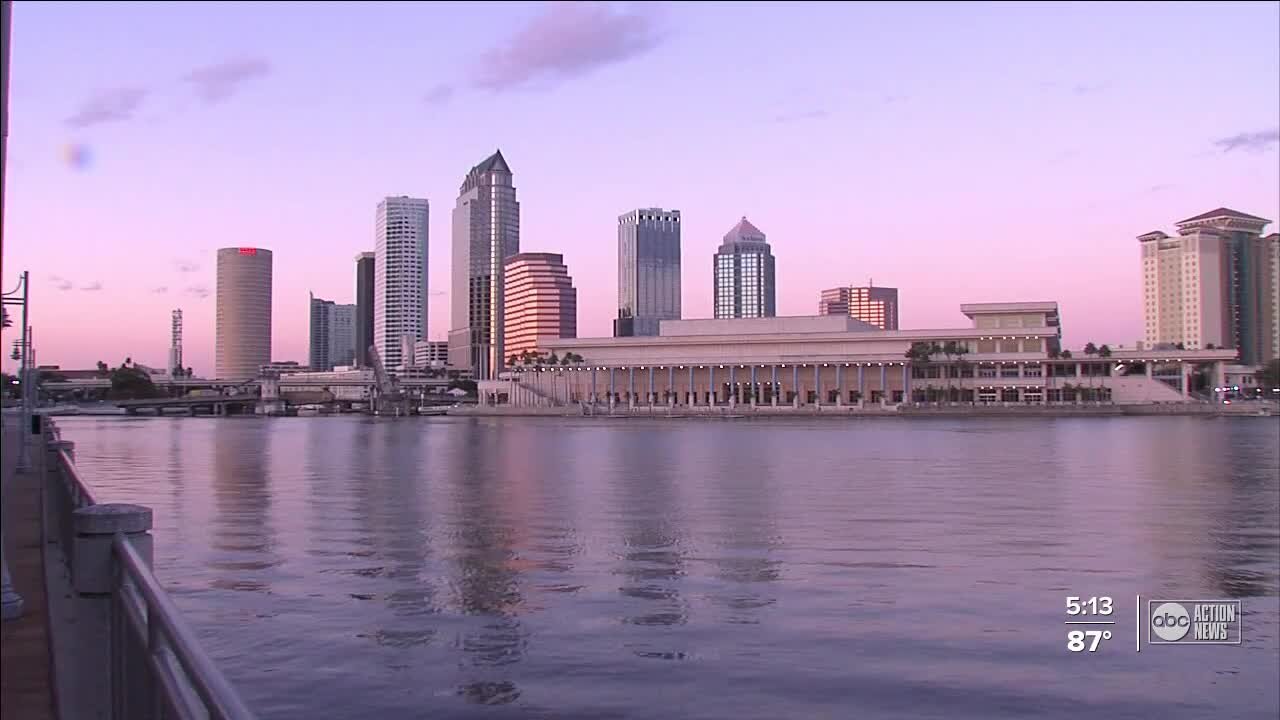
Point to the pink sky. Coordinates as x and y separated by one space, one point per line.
1016 159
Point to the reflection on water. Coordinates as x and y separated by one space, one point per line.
490 568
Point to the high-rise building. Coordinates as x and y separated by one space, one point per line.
365 266
243 322
743 274
1211 285
870 304
541 301
1272 245
332 334
648 270
175 344
400 275
486 231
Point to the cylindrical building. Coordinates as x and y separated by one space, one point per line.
244 312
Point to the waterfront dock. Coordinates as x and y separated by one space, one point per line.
98 636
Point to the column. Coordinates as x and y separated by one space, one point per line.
884 384
733 386
906 382
1186 378
631 387
93 573
754 399
862 386
594 397
711 381
671 386
795 385
611 389
839 385
817 385
693 399
773 385
650 387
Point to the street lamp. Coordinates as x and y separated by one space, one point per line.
10 601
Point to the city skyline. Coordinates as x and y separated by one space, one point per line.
1055 171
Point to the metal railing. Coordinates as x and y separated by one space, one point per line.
157 667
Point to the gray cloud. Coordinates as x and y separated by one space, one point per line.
439 94
816 114
113 105
215 83
185 266
566 40
199 291
160 290
1252 142
61 283
94 286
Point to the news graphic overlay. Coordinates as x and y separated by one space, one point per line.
1089 622
1193 622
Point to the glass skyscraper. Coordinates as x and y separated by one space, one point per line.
744 275
648 271
486 231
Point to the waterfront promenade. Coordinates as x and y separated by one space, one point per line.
25 682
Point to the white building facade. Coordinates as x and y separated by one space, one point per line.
1008 355
400 275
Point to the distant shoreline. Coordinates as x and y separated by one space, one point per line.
833 412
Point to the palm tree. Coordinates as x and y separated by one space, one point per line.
1065 355
921 353
1090 349
102 367
554 359
512 359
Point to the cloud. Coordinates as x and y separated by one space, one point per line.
94 286
185 266
1161 187
1078 88
198 291
439 94
215 83
114 105
61 283
160 290
566 40
1251 142
796 117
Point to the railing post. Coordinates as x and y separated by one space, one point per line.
105 632
57 499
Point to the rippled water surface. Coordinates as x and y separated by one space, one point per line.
539 567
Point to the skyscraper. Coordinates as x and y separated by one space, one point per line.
332 334
486 231
743 274
175 344
1272 244
648 270
400 275
1211 285
365 265
874 305
243 322
541 301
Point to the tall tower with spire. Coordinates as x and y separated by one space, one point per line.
744 275
486 231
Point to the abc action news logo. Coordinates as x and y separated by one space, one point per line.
1193 622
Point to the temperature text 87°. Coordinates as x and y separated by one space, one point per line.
1078 640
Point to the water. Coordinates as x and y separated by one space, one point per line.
540 567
